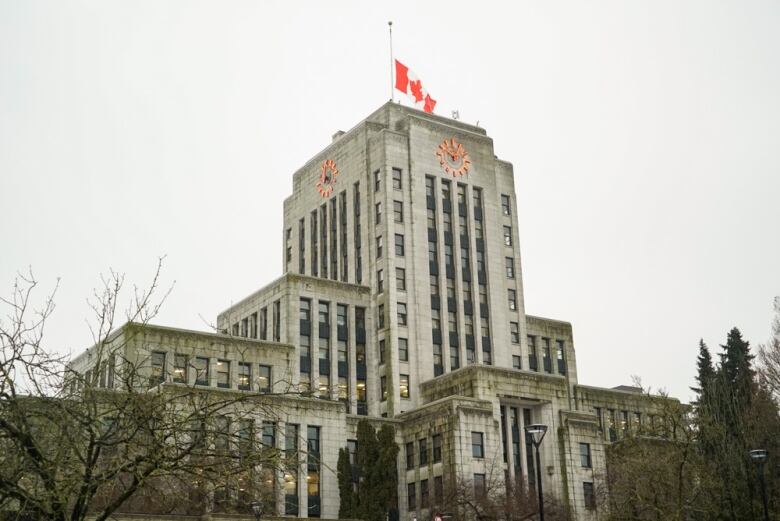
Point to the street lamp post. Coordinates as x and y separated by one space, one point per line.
537 432
257 509
759 457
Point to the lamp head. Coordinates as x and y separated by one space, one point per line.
758 455
537 432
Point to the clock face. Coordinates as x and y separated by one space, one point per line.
328 174
453 158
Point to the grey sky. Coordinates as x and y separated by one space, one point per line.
645 138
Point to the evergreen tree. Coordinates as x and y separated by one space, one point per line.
377 462
387 464
705 372
736 368
346 492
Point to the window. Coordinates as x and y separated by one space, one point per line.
342 351
253 321
438 489
506 207
268 438
412 495
305 310
383 387
510 268
398 211
245 436
585 455
464 259
400 279
403 385
380 281
379 244
378 213
517 362
424 493
481 261
377 180
301 249
479 485
435 320
324 386
477 445
410 455
323 309
611 420
343 389
341 315
477 197
397 179
399 245
223 373
179 369
244 376
512 298
277 316
597 412
507 236
264 323
514 332
264 378
401 314
429 186
380 316
403 349
221 433
589 495
432 252
201 366
157 375
381 351
436 448
430 217
559 349
423 451
546 355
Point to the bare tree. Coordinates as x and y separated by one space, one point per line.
657 471
769 358
491 498
96 442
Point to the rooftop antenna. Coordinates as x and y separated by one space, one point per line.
392 92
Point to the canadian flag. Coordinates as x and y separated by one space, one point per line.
407 82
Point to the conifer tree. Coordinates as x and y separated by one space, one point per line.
388 469
376 459
346 493
736 368
705 372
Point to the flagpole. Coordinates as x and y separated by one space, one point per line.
392 92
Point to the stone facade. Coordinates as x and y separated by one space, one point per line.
402 301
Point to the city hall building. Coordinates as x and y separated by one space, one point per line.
401 301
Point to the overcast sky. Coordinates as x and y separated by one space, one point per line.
645 138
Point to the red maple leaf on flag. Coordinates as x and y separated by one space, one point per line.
416 88
406 81
429 103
